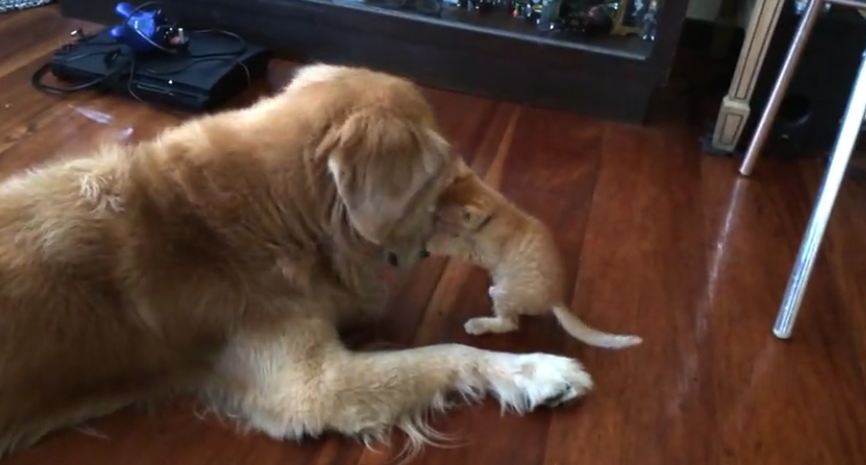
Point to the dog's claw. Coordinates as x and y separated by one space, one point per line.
566 395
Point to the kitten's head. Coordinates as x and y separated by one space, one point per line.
465 206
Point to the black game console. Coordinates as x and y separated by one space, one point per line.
212 68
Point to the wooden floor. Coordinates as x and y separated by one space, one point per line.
660 240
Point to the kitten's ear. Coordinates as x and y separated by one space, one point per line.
461 217
472 216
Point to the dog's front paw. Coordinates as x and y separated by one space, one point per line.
524 382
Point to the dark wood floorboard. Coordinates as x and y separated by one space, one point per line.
659 240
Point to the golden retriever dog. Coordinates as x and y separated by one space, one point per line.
477 224
221 257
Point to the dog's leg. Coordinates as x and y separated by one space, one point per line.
19 433
305 382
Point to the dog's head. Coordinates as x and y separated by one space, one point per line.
387 160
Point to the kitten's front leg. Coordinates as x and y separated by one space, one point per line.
506 319
490 324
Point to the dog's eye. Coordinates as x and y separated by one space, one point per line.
467 216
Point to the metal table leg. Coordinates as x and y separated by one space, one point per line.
781 86
839 158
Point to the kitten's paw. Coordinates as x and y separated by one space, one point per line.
494 292
475 326
484 325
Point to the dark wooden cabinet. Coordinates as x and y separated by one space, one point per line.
490 54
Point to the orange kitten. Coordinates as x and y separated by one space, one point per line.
479 225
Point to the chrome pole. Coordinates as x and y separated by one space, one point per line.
839 157
781 86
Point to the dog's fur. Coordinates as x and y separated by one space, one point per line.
219 259
477 224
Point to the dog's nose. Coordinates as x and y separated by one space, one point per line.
424 253
392 259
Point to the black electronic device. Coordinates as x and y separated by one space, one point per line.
213 67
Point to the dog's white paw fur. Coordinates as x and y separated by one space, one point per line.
524 382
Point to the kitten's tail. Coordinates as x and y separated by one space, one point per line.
580 331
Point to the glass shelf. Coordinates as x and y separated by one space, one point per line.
500 23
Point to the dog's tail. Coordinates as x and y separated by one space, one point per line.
580 331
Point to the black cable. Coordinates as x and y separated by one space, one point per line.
85 55
241 42
40 73
205 57
37 77
130 78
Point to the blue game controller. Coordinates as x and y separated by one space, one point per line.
146 30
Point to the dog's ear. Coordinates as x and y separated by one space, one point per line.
379 163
